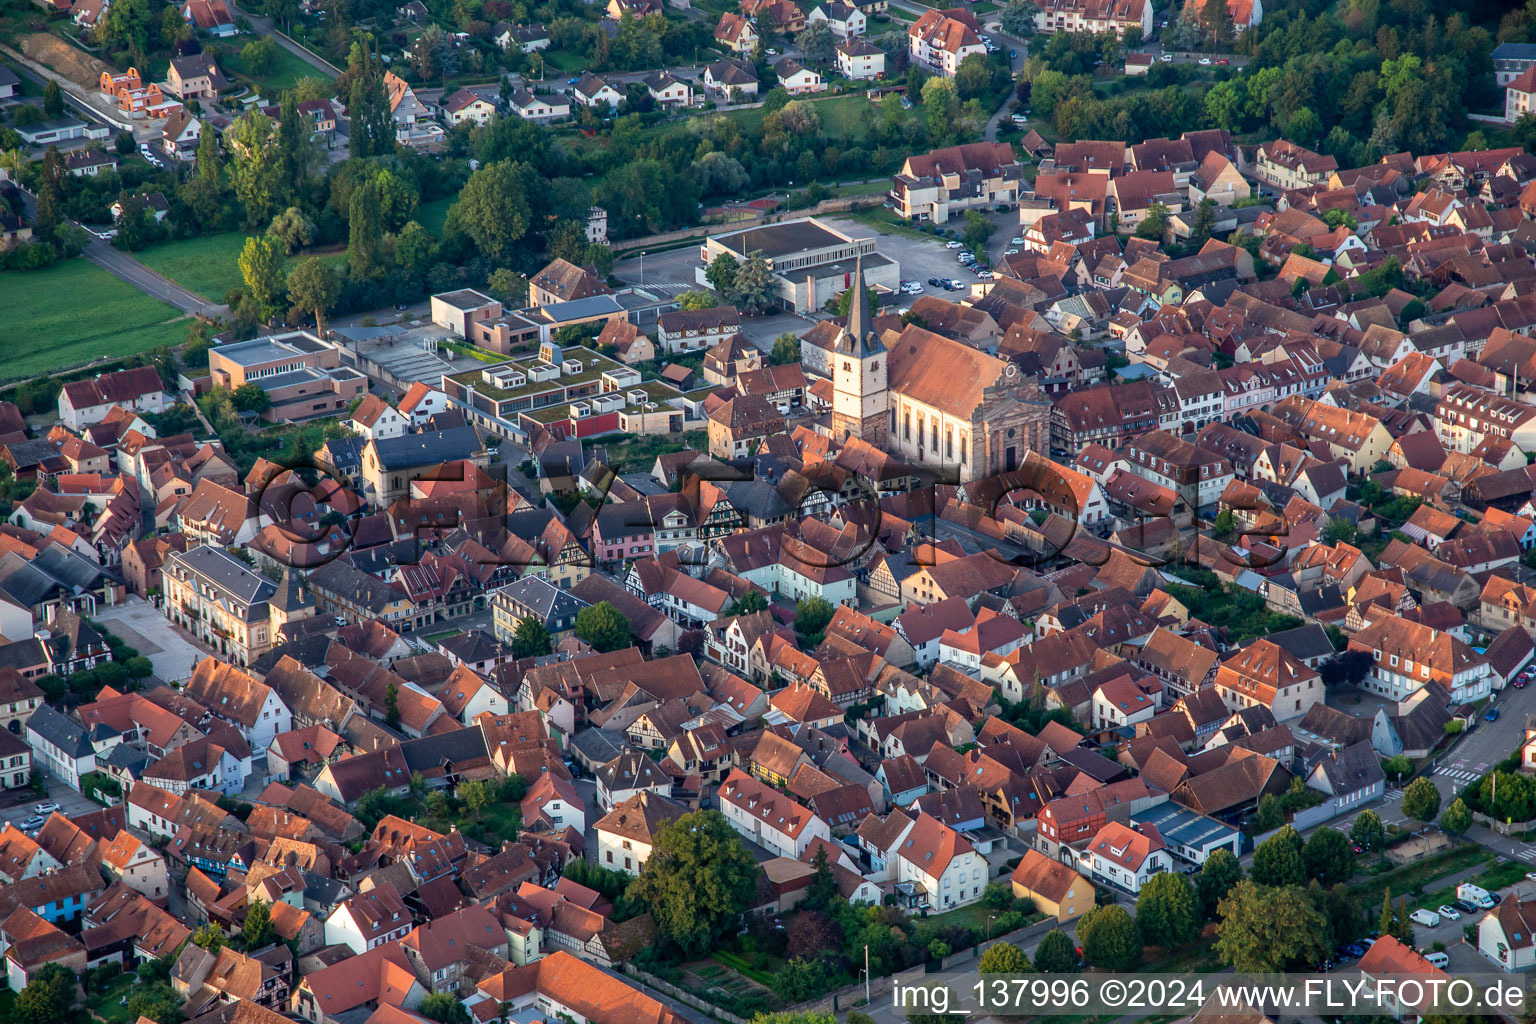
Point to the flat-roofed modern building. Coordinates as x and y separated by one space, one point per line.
301 374
812 262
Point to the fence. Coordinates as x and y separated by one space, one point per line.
682 995
1503 828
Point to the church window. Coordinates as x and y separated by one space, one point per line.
935 434
906 424
949 443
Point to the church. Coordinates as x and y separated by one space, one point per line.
937 402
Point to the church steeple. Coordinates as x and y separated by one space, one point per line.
859 337
860 401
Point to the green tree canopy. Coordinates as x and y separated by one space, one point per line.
1108 937
1277 860
1220 872
261 264
1368 831
1167 910
1327 857
1056 954
1003 958
1269 929
604 627
1421 800
697 882
530 638
1456 818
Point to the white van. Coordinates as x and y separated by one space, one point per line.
1427 918
1439 960
1475 895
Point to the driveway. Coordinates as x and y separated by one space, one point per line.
141 626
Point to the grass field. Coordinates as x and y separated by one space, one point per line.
209 266
75 312
434 215
285 72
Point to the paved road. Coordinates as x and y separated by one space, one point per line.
123 266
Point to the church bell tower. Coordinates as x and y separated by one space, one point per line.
860 400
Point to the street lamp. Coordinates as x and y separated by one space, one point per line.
990 919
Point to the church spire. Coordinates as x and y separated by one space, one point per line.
859 336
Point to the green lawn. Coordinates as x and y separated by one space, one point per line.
75 312
845 118
285 72
434 215
209 266
108 1005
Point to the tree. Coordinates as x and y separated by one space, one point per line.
1456 818
314 285
719 174
696 298
721 274
1155 223
392 706
747 603
210 937
365 227
1205 219
444 1007
530 639
799 1017
1277 861
973 77
476 796
258 178
1266 930
258 56
977 230
1108 937
697 882
494 209
295 148
786 349
1003 958
257 932
1396 766
1056 954
822 889
1421 800
372 131
1167 910
510 285
812 614
127 24
250 397
604 627
48 997
754 282
817 43
1328 858
293 229
1216 19
1017 18
261 264
1221 871
1367 830
53 99
1269 814
940 105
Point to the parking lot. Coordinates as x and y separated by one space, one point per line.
922 258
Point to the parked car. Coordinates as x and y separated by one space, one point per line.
771 52
936 282
1166 58
1017 240
572 81
1356 847
1205 62
1223 61
1492 715
32 823
1012 54
1464 906
1353 950
956 284
46 808
1011 252
1448 911
953 244
1427 918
